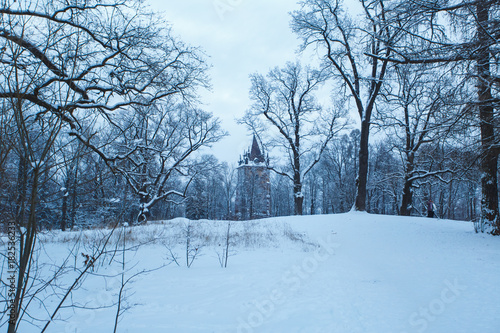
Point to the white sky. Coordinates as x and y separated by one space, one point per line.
240 37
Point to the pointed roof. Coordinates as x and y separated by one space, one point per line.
255 153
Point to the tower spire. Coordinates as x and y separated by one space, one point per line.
255 153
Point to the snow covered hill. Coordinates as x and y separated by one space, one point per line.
352 272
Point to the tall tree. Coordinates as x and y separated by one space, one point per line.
339 167
108 57
415 113
61 62
229 185
384 187
342 41
159 141
428 40
285 100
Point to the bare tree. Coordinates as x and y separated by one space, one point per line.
224 255
70 154
158 142
35 149
285 100
339 167
281 195
207 196
108 57
342 41
384 186
229 184
8 163
61 63
6 145
416 113
472 39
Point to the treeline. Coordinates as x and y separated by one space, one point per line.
82 191
447 174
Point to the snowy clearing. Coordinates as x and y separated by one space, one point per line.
350 272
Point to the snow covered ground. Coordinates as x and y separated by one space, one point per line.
350 272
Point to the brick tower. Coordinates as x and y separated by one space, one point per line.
253 189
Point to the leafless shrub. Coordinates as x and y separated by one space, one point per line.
224 254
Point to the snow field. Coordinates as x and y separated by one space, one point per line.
352 272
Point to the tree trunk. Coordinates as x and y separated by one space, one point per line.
441 211
143 215
298 203
26 246
451 199
74 186
64 208
313 190
489 160
362 179
298 196
22 188
406 202
407 199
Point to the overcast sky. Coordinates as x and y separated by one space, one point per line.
240 37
